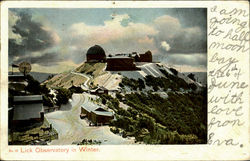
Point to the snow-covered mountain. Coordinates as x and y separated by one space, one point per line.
155 105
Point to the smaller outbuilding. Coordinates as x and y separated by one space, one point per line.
17 83
17 78
99 91
87 109
96 114
27 110
101 117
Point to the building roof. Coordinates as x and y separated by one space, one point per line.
93 107
29 98
28 111
148 52
103 113
90 107
13 78
16 76
99 88
119 57
96 50
102 88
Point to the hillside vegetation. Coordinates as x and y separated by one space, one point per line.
180 118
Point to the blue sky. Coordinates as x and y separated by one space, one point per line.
176 36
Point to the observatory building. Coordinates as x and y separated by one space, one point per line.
117 62
96 54
146 57
120 63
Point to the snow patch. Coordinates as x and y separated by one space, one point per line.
133 74
109 80
124 106
161 94
151 69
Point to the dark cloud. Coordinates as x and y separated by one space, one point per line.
32 38
15 49
46 59
183 59
185 30
190 17
184 42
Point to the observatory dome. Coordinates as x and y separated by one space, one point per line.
96 54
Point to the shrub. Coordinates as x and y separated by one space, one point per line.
192 86
115 102
118 96
174 71
132 112
90 73
114 130
33 85
132 83
121 84
47 101
141 84
50 76
164 72
63 96
154 82
104 101
76 90
191 76
123 112
146 122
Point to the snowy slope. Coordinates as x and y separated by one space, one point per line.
111 80
151 69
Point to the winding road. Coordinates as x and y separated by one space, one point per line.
84 86
71 128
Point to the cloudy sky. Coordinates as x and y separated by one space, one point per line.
56 40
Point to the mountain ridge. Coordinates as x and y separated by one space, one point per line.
96 75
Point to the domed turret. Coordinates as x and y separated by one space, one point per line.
96 54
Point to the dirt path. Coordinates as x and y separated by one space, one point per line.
71 128
85 85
